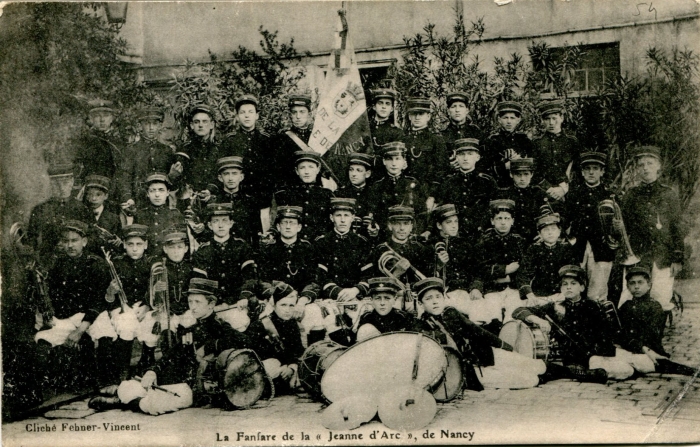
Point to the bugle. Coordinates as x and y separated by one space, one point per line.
159 296
615 237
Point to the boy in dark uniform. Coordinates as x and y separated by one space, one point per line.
246 209
507 144
253 145
528 198
396 188
202 151
286 146
46 220
468 189
105 225
226 259
537 277
384 317
144 157
555 153
359 171
652 215
582 201
500 252
307 194
160 213
589 337
76 284
181 371
458 112
426 153
382 125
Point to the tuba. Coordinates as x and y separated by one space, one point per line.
608 211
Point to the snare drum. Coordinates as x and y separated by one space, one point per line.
241 376
315 362
526 340
453 381
391 359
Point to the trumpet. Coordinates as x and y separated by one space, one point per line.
608 212
159 296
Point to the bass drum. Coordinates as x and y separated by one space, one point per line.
395 359
528 341
453 381
242 377
315 362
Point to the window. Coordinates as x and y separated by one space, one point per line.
598 64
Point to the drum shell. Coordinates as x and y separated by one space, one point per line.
529 341
315 362
242 376
452 382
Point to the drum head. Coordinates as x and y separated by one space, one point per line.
243 379
349 413
381 361
407 408
314 363
518 335
452 383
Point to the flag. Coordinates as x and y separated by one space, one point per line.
341 125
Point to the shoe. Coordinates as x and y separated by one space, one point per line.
582 374
103 403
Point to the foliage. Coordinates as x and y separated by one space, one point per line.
271 76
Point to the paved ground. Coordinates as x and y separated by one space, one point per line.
652 409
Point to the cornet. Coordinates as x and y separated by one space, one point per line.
608 212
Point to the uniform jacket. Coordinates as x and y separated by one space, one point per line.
257 151
109 221
384 132
142 159
584 321
427 158
46 220
527 208
100 153
470 193
78 285
316 202
343 262
283 163
158 219
287 349
400 190
495 251
454 132
294 264
652 216
231 263
461 268
245 214
179 275
553 154
200 169
582 212
643 321
420 256
539 270
135 276
499 148
395 321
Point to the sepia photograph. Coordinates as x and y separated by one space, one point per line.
378 222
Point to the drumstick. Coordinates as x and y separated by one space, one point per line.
557 327
159 388
416 357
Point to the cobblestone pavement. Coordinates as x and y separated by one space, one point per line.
652 409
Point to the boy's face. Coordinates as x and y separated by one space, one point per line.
521 179
401 229
458 112
288 228
231 178
433 302
449 226
553 122
509 121
101 120
135 247
220 225
284 308
62 186
247 115
73 243
383 108
419 120
571 288
648 168
150 128
175 251
300 116
467 160
202 124
394 164
200 305
307 171
358 174
550 233
383 302
502 222
592 173
342 220
638 285
157 193
95 197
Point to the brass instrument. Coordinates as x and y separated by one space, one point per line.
441 246
160 299
611 312
123 301
394 266
108 236
609 211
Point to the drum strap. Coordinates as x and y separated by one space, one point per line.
450 341
272 331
